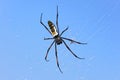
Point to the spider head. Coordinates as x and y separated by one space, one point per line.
58 39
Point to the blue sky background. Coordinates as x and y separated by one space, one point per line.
22 48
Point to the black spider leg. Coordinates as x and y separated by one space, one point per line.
49 50
44 24
57 57
71 50
73 40
57 21
64 31
48 38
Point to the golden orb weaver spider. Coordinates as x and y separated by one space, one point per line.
57 38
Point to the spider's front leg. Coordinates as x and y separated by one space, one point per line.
57 58
49 50
73 41
71 50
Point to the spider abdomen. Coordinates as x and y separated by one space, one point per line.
52 29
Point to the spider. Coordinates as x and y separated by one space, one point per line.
57 38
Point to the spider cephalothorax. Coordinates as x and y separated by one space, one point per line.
57 39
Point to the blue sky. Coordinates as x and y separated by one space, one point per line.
22 48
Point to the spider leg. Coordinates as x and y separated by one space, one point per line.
48 38
71 50
44 24
48 51
57 21
57 58
64 31
73 40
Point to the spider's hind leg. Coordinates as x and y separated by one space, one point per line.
57 21
48 38
44 24
64 31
